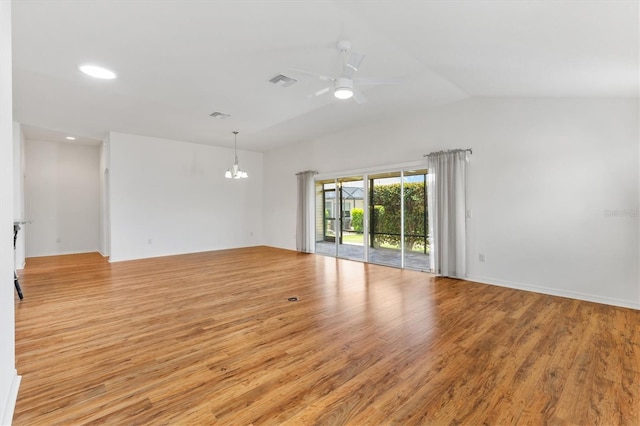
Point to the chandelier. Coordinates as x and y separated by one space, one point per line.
235 172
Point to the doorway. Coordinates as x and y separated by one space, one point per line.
351 216
379 218
340 216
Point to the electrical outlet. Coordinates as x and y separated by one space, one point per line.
149 241
469 214
481 257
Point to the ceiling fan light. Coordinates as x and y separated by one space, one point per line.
343 88
343 92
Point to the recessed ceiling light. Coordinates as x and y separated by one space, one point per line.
97 72
71 138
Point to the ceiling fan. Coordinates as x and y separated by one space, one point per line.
345 86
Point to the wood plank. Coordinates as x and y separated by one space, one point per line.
210 338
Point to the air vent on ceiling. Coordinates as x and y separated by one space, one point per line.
283 80
220 115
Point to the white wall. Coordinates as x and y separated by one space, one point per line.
9 379
280 189
18 191
552 184
62 198
170 197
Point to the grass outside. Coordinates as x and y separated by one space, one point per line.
352 238
358 239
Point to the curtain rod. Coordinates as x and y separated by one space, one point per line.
449 151
307 171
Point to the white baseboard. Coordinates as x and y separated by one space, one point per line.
61 253
7 416
555 292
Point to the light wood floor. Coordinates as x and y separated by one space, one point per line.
210 338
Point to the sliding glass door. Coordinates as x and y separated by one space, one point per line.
416 238
326 217
385 219
351 217
379 218
340 217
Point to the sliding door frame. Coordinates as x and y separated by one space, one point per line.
367 188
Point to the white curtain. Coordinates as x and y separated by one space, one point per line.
305 230
446 205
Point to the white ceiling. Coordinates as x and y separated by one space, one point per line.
179 61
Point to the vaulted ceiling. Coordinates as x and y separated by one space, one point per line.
179 61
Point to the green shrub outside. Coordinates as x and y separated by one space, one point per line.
386 214
357 219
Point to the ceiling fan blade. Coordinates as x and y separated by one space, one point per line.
313 74
322 91
376 81
319 93
358 96
355 59
352 64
